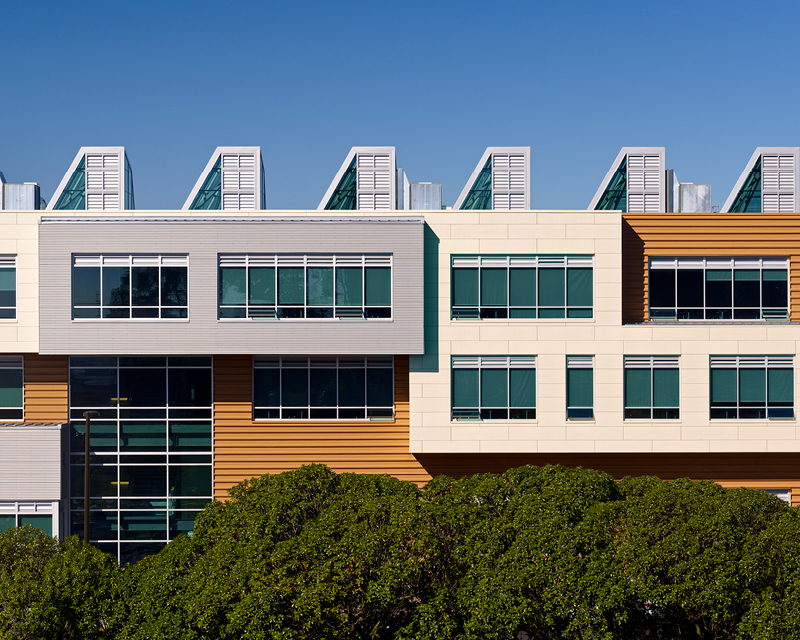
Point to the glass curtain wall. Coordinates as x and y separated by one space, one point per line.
150 467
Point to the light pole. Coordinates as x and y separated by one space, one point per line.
88 415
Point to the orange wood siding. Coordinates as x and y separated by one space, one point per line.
704 234
45 388
244 448
752 470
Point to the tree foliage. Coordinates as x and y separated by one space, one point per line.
536 552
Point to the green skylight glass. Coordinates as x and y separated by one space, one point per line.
480 195
344 196
615 197
210 194
74 194
748 200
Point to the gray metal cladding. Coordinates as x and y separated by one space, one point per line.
30 462
203 240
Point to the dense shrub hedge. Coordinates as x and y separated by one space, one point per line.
536 552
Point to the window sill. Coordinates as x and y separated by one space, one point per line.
268 320
525 320
119 320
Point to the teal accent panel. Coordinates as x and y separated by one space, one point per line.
465 287
768 275
580 391
8 279
522 287
465 388
494 287
210 194
378 286
752 385
320 286
344 196
718 275
262 285
11 388
551 287
780 385
579 287
666 388
74 194
348 286
232 284
638 388
748 200
615 196
745 275
43 522
480 194
723 386
522 388
291 285
494 387
130 202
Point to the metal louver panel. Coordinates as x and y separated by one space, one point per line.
778 183
580 362
374 181
654 362
508 181
643 183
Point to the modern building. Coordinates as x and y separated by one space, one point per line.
222 343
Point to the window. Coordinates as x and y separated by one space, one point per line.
719 288
651 387
323 388
151 469
580 387
132 286
752 387
8 287
494 387
522 286
305 286
10 387
36 514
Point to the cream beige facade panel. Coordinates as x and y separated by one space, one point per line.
203 240
604 336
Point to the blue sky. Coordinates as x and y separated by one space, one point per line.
441 81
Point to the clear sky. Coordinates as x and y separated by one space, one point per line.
575 80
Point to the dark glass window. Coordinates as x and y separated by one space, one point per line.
522 287
494 387
292 388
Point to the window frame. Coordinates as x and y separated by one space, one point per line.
772 410
581 411
508 311
651 364
14 363
310 363
9 263
484 412
21 509
706 264
115 455
131 261
305 261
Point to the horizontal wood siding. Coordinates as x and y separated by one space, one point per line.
244 448
731 470
45 384
704 234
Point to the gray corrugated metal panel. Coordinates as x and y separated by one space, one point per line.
426 196
227 220
203 333
20 197
30 463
